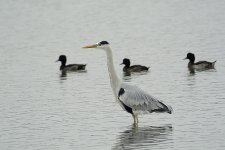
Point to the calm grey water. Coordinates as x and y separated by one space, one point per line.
39 109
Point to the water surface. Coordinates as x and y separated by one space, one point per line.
40 109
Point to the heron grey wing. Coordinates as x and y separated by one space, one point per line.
142 102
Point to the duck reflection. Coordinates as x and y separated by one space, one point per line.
136 138
128 73
127 76
63 73
192 71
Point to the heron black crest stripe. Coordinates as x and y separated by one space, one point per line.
103 43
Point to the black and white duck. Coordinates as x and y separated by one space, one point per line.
200 65
70 67
133 68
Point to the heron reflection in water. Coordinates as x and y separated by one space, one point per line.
142 137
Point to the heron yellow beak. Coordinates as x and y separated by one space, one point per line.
90 46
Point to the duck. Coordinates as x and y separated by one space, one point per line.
134 68
200 65
70 67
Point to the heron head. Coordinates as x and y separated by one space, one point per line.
101 45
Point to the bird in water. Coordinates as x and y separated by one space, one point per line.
70 67
201 65
131 98
133 68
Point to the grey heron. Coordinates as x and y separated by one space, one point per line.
132 99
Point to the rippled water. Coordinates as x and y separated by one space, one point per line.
39 109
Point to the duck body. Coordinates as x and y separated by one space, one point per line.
73 67
200 65
133 68
70 67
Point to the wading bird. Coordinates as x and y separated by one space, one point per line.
131 98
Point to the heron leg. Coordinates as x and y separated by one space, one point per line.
135 119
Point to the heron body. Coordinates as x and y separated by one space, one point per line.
70 67
131 98
201 65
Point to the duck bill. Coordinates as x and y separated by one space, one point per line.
90 46
121 64
57 61
185 58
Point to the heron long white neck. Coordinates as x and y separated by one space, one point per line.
114 80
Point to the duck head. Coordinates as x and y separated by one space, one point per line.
126 62
191 57
62 58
